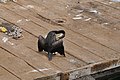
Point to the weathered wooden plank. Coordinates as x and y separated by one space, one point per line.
31 42
90 47
87 50
37 7
5 75
96 31
55 7
35 60
101 8
17 66
113 12
32 45
96 12
110 3
92 69
107 17
82 53
102 17
37 31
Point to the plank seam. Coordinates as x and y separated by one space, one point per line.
69 29
107 5
10 72
22 60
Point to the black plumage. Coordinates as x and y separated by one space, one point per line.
52 43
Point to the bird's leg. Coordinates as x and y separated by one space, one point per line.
50 56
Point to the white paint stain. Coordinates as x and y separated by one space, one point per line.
10 43
5 1
14 0
67 6
19 21
110 2
45 69
80 11
69 14
27 19
33 71
78 15
88 19
115 28
106 23
93 11
23 20
77 18
5 39
29 6
23 8
80 29
72 61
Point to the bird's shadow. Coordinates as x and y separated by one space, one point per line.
44 53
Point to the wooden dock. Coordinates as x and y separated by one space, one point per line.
92 42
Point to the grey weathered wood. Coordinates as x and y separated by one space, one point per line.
75 36
90 46
37 32
18 67
5 75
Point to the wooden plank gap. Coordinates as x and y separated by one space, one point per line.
22 59
24 17
86 49
107 5
10 72
9 51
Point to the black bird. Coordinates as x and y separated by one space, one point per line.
52 43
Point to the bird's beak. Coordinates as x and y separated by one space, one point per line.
58 36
